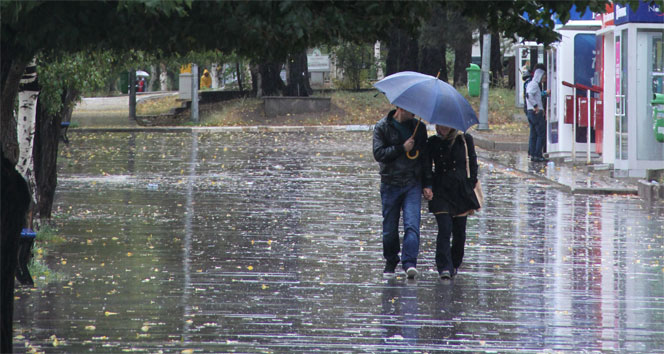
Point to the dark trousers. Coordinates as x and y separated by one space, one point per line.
537 138
450 258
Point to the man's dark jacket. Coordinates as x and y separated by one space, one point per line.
395 167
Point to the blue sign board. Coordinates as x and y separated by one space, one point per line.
648 12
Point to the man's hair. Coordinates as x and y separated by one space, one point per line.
538 66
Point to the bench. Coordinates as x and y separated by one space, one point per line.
63 132
25 243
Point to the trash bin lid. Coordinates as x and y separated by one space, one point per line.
473 67
658 99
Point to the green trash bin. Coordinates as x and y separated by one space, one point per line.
474 79
658 116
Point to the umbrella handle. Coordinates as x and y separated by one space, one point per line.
417 152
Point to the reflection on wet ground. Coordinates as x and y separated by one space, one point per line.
270 242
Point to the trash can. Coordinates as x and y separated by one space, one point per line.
474 79
658 116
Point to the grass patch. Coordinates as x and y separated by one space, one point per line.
236 112
155 106
41 273
348 107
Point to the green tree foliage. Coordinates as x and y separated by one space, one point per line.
356 60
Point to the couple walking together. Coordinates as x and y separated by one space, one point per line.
442 168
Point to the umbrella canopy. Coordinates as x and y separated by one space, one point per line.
433 100
140 73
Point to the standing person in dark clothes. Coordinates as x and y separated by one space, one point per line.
399 144
455 175
535 113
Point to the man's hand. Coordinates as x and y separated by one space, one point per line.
409 144
428 193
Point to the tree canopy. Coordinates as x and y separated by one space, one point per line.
265 30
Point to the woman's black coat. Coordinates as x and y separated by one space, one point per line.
452 189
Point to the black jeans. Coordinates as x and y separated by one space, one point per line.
450 258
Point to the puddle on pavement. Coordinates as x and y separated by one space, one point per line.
270 242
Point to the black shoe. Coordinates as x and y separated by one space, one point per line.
389 270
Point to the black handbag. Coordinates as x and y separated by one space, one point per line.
475 196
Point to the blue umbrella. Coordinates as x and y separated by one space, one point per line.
431 99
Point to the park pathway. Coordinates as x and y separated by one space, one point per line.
269 242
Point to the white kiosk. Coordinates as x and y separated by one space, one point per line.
570 72
634 61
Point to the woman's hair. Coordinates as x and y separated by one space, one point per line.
451 136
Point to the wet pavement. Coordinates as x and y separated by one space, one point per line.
263 241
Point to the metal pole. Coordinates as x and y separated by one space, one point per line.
588 138
574 126
484 98
132 95
194 93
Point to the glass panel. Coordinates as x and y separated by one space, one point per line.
648 82
623 94
657 64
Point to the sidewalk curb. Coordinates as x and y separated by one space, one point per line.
499 146
566 188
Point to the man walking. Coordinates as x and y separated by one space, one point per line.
535 114
399 147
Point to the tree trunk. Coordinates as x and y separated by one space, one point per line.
153 78
163 77
433 62
270 81
15 201
298 76
463 52
496 65
132 95
47 140
214 74
256 81
12 70
239 75
28 95
511 69
402 52
534 59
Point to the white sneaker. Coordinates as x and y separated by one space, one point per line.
411 272
445 274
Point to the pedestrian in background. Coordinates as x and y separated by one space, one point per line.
452 155
535 114
399 146
206 80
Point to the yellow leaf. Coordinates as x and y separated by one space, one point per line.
250 267
189 351
129 254
145 328
109 313
90 328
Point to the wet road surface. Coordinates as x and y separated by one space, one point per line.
260 242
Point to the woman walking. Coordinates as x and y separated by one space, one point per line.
455 175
